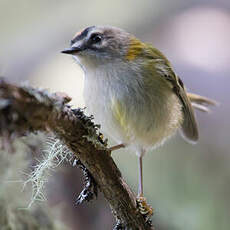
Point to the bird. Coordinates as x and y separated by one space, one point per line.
133 92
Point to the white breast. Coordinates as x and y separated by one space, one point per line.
153 112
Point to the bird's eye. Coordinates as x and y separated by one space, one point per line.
96 38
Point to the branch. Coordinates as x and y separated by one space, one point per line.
25 109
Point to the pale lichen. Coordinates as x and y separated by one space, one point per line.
54 154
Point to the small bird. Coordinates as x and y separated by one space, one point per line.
133 92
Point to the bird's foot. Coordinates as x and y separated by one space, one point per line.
145 209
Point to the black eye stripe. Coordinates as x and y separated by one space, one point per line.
82 35
95 38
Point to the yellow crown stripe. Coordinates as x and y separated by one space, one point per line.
135 49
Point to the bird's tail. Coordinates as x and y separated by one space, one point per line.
201 103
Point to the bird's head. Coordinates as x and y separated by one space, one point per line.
98 45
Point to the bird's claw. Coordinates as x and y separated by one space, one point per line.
145 209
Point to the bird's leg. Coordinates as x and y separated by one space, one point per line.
116 147
145 209
140 186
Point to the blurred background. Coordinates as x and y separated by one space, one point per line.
188 185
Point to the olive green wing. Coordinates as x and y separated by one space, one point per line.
189 126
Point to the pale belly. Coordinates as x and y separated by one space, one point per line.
137 121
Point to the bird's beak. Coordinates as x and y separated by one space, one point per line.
71 50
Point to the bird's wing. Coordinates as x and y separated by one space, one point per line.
189 126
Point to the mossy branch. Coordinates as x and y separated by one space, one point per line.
25 109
